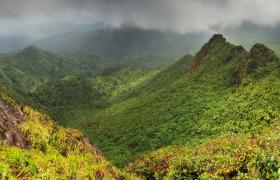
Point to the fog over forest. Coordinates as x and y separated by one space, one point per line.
41 18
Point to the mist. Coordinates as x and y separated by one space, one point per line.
40 18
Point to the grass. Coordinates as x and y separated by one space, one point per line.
54 152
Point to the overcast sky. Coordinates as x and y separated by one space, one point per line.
41 17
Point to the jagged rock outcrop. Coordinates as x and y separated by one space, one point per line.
218 53
10 119
258 56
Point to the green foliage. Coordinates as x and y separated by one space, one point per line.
31 67
119 83
58 97
69 91
226 157
162 79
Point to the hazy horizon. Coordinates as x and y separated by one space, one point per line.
40 18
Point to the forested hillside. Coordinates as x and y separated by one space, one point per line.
223 89
32 66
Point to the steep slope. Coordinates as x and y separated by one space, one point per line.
32 146
203 103
226 157
162 79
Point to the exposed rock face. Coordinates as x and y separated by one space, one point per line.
258 56
197 61
10 119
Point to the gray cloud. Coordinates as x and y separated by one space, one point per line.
38 17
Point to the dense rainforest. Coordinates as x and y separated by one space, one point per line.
211 115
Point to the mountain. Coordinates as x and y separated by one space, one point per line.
206 99
128 44
153 48
30 67
12 42
54 83
48 81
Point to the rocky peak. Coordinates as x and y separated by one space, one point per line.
217 38
216 49
216 42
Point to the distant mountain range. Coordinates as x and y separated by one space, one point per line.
137 46
130 45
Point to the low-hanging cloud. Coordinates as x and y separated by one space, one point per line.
37 17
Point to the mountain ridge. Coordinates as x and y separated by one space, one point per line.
200 101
